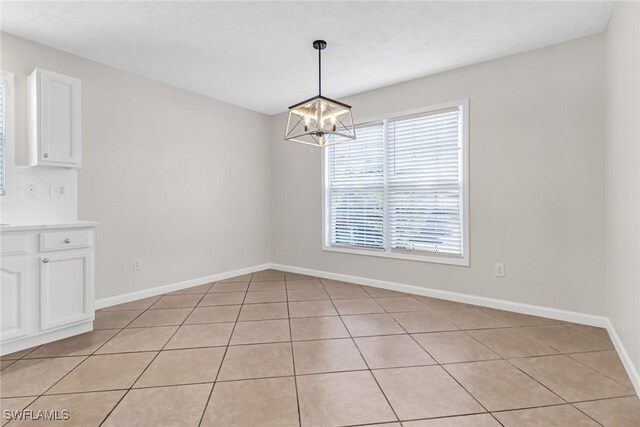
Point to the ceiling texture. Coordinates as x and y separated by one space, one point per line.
258 54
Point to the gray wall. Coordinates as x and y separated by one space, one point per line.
536 181
177 179
622 176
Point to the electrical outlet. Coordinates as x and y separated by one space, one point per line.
498 269
285 246
30 190
57 190
137 264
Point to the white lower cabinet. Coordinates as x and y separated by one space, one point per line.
64 295
47 286
14 297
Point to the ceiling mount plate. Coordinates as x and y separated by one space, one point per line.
319 44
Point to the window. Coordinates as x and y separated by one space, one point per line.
400 189
6 123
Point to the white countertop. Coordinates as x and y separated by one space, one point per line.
16 226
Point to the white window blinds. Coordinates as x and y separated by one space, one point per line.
425 183
356 190
399 186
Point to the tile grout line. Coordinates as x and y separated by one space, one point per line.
594 369
298 340
587 415
86 357
442 367
496 418
556 355
500 357
315 374
353 315
293 354
514 366
497 354
466 331
224 355
393 410
551 406
411 420
24 355
549 389
33 349
152 360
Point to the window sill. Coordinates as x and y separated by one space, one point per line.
435 259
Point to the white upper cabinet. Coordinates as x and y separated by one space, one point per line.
55 120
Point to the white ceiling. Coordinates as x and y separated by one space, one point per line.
258 54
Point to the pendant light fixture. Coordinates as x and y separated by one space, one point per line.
320 121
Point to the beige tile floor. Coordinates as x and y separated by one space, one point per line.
281 349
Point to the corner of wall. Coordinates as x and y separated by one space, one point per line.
622 180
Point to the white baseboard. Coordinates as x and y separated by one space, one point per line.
633 373
534 310
33 341
159 290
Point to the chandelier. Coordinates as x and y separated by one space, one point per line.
320 121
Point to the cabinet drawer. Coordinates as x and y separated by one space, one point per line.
59 240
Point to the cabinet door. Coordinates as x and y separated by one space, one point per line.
65 289
59 127
14 296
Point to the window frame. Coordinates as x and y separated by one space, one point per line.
8 79
410 255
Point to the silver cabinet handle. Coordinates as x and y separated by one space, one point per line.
67 241
45 155
46 260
